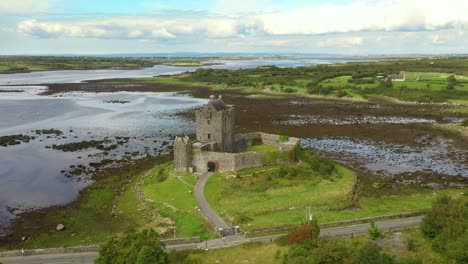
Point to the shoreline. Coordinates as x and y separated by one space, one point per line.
30 224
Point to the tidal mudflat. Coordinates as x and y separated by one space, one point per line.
143 126
436 155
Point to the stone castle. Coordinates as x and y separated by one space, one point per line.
217 148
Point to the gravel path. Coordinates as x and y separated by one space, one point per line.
204 206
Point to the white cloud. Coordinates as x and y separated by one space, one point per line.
397 15
24 6
341 42
379 16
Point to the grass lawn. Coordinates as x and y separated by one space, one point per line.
173 198
262 147
260 199
264 200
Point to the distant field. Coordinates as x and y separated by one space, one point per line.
427 80
45 63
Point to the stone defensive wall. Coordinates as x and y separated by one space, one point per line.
224 161
270 139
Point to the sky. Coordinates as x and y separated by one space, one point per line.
351 27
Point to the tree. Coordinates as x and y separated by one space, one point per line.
451 82
446 224
134 247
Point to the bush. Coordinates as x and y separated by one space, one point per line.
410 244
309 231
464 123
134 247
289 90
341 93
446 224
370 253
374 232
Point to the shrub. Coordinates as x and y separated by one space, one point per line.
134 247
464 123
446 224
283 138
257 141
341 93
374 232
309 231
289 90
370 253
410 244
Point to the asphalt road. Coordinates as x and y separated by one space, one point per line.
69 258
205 207
352 230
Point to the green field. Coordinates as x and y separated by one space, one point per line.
47 63
259 199
173 198
263 199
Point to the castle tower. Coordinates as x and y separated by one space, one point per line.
215 124
182 154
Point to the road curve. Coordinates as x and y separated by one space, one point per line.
205 207
352 230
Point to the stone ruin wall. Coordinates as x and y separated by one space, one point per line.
243 160
227 161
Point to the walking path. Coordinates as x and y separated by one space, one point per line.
205 207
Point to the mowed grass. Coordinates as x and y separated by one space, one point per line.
264 200
174 198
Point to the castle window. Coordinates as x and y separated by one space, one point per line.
209 121
209 136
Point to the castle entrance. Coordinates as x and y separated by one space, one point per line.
211 166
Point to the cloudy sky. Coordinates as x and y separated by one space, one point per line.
307 26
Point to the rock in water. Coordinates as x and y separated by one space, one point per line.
60 227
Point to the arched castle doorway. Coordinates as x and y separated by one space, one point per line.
211 166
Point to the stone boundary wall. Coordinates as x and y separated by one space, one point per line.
91 248
182 240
